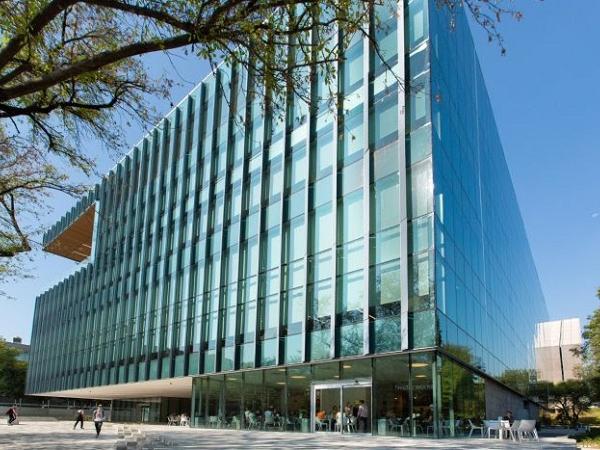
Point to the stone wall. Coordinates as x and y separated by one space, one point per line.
499 399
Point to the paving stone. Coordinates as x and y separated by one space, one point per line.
60 435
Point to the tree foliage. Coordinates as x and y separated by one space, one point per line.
72 69
571 397
12 372
591 345
27 176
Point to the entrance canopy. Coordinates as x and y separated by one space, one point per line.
171 387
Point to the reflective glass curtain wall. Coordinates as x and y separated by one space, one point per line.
488 295
234 238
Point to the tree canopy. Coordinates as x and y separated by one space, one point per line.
71 69
12 372
591 344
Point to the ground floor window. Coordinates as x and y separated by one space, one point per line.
418 394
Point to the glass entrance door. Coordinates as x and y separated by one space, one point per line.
356 415
326 409
342 407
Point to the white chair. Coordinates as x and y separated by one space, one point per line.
514 429
213 421
252 422
457 426
395 426
527 430
449 427
473 427
504 428
269 421
413 424
338 421
352 424
321 425
492 425
290 423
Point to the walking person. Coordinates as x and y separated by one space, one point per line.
79 419
98 418
12 415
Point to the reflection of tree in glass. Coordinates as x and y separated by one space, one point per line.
351 337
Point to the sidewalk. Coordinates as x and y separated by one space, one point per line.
48 435
60 435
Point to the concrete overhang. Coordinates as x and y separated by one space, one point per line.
171 387
75 242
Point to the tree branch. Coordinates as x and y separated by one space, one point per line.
37 23
94 63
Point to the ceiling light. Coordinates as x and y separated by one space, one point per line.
420 376
419 364
281 383
298 377
347 366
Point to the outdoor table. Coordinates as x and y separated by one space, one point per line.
501 426
504 426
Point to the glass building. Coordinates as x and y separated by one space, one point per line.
259 270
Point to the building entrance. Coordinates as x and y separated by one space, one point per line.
343 407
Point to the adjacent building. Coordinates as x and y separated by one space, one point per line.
237 262
557 343
23 349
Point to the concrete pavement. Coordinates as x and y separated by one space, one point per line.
60 435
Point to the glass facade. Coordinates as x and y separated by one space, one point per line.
267 254
488 296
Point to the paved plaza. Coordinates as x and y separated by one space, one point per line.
60 435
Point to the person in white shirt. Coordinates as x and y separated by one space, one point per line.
269 418
184 420
98 418
363 417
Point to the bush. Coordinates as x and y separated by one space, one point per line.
590 439
591 417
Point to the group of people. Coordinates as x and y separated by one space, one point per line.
270 417
98 417
357 413
179 419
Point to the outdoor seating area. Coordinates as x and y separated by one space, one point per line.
272 420
178 420
500 428
336 422
269 419
517 431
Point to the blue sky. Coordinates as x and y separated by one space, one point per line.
546 96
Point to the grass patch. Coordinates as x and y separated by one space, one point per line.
591 439
591 417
